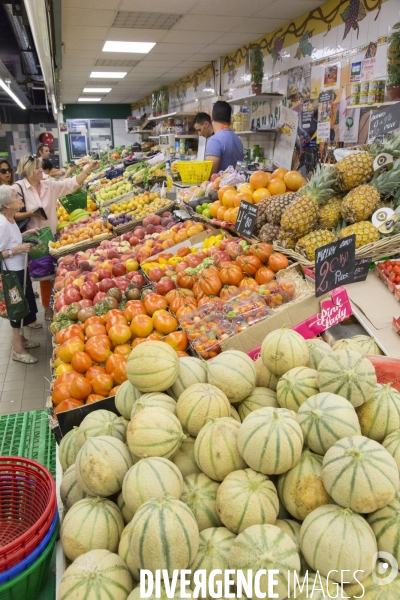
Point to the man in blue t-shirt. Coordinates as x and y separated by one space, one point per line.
224 148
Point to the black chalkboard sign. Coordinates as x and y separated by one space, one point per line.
246 219
334 265
361 269
384 120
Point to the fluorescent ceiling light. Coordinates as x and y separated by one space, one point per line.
108 74
10 93
133 47
96 90
89 99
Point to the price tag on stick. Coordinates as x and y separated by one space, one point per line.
334 265
246 219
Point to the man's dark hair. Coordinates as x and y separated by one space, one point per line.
201 118
41 146
222 112
46 164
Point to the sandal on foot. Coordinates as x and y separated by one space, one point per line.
23 358
29 345
35 325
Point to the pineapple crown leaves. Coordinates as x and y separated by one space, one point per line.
388 182
322 185
390 146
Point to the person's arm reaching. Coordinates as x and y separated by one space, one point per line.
215 161
67 186
214 153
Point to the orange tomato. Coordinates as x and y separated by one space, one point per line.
63 368
94 371
60 392
277 261
259 179
64 378
276 186
120 333
115 312
229 197
94 398
116 320
293 180
279 173
59 337
178 340
81 362
67 349
141 325
92 321
264 275
133 310
181 354
73 331
102 384
67 404
224 189
138 341
119 374
164 322
114 390
156 336
112 361
246 196
123 350
153 302
95 329
99 348
80 387
261 194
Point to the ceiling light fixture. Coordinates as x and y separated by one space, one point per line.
133 47
108 74
89 99
96 90
10 93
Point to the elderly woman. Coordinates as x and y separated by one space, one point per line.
38 193
13 252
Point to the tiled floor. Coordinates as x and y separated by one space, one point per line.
24 387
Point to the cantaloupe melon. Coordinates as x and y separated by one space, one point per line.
150 478
234 414
234 373
347 374
125 423
325 419
346 344
152 367
385 524
295 386
154 432
191 370
360 474
317 350
266 547
70 490
301 489
184 459
270 440
124 550
260 397
284 349
216 451
370 590
99 423
164 535
213 553
199 494
197 403
334 539
392 445
316 586
246 498
292 528
154 400
101 465
97 575
264 377
380 416
90 524
367 344
126 512
67 450
125 398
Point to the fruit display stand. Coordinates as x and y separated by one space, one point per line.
131 225
80 246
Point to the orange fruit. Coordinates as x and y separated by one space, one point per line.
293 180
260 194
214 208
279 173
234 214
221 212
246 188
242 196
224 189
228 197
227 215
259 179
276 186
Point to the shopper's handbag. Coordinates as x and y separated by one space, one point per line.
13 304
22 224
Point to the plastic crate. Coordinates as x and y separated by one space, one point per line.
194 171
73 201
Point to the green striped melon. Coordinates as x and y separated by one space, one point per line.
216 451
234 373
90 524
184 459
367 344
152 367
292 528
154 400
199 494
100 423
150 478
392 445
264 377
317 587
260 397
125 423
213 553
101 465
270 440
124 550
370 590
317 350
360 474
385 524
349 375
350 345
197 403
70 490
191 370
234 414
125 398
154 432
97 575
67 450
295 387
164 535
284 349
164 594
380 416
325 419
266 547
126 512
301 489
335 539
246 498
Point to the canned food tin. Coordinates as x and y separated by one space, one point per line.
354 99
371 97
355 88
373 86
363 98
364 87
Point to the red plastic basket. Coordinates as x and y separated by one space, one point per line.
27 508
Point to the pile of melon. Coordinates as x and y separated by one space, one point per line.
290 463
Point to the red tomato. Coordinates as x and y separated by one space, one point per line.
249 264
230 274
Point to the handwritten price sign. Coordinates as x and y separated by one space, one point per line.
334 265
246 219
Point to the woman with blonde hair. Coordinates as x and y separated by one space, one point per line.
38 193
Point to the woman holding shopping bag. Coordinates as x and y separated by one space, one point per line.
13 252
38 193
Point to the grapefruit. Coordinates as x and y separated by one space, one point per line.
224 189
276 186
279 173
259 179
293 180
228 198
247 197
260 194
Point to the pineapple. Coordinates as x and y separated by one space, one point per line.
329 213
271 209
308 244
354 170
285 240
269 233
302 215
364 231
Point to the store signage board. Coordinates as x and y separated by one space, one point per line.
361 269
334 265
246 219
384 120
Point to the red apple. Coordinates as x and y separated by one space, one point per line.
92 277
71 296
118 270
104 274
99 297
164 286
138 280
106 284
156 273
112 254
60 303
89 290
133 240
85 303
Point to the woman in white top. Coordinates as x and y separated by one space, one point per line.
13 252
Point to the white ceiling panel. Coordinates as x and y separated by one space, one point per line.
121 34
205 23
171 6
179 71
259 26
92 18
72 52
287 9
96 4
78 62
153 62
194 64
77 32
217 50
191 37
82 45
162 48
238 39
234 8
